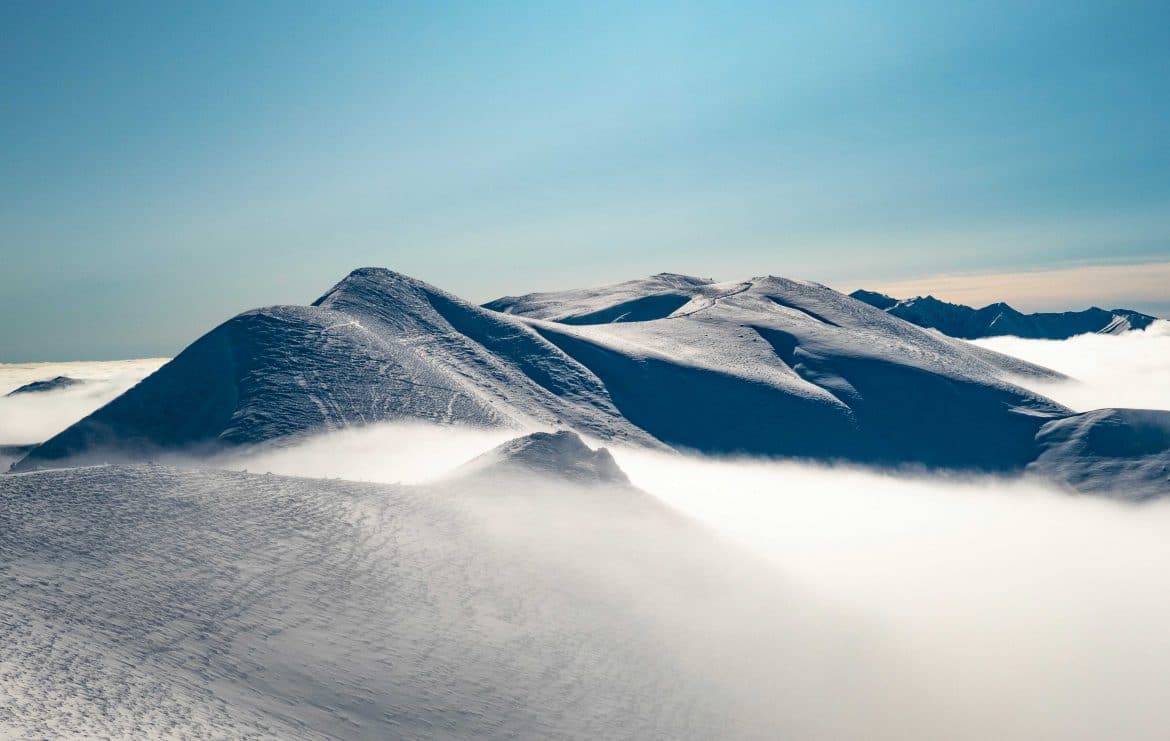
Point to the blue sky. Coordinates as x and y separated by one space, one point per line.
166 167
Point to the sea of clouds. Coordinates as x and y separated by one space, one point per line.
1127 370
1015 610
35 417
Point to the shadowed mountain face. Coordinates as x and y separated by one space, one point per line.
767 366
1000 319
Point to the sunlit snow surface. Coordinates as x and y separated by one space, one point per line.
740 599
147 600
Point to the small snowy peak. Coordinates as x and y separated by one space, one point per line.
377 288
52 384
559 455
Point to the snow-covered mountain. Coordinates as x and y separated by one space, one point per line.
1122 452
379 346
557 455
999 319
767 366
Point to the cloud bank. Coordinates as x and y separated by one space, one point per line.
1016 610
986 607
1127 370
34 418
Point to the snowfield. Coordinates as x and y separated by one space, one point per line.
145 600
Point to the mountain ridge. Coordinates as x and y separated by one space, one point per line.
1000 319
769 367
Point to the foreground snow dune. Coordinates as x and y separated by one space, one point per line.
144 600
767 366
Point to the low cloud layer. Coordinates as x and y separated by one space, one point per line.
387 453
1018 611
1127 370
986 607
34 418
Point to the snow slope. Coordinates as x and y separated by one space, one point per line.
1122 452
771 366
377 347
767 366
139 601
999 319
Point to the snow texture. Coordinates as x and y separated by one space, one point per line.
145 601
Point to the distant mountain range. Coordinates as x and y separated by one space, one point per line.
765 367
999 319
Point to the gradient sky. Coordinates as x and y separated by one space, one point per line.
165 167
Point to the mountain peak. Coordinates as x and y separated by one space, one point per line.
562 454
873 298
372 283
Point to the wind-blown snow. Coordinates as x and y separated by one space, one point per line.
143 601
390 453
828 603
